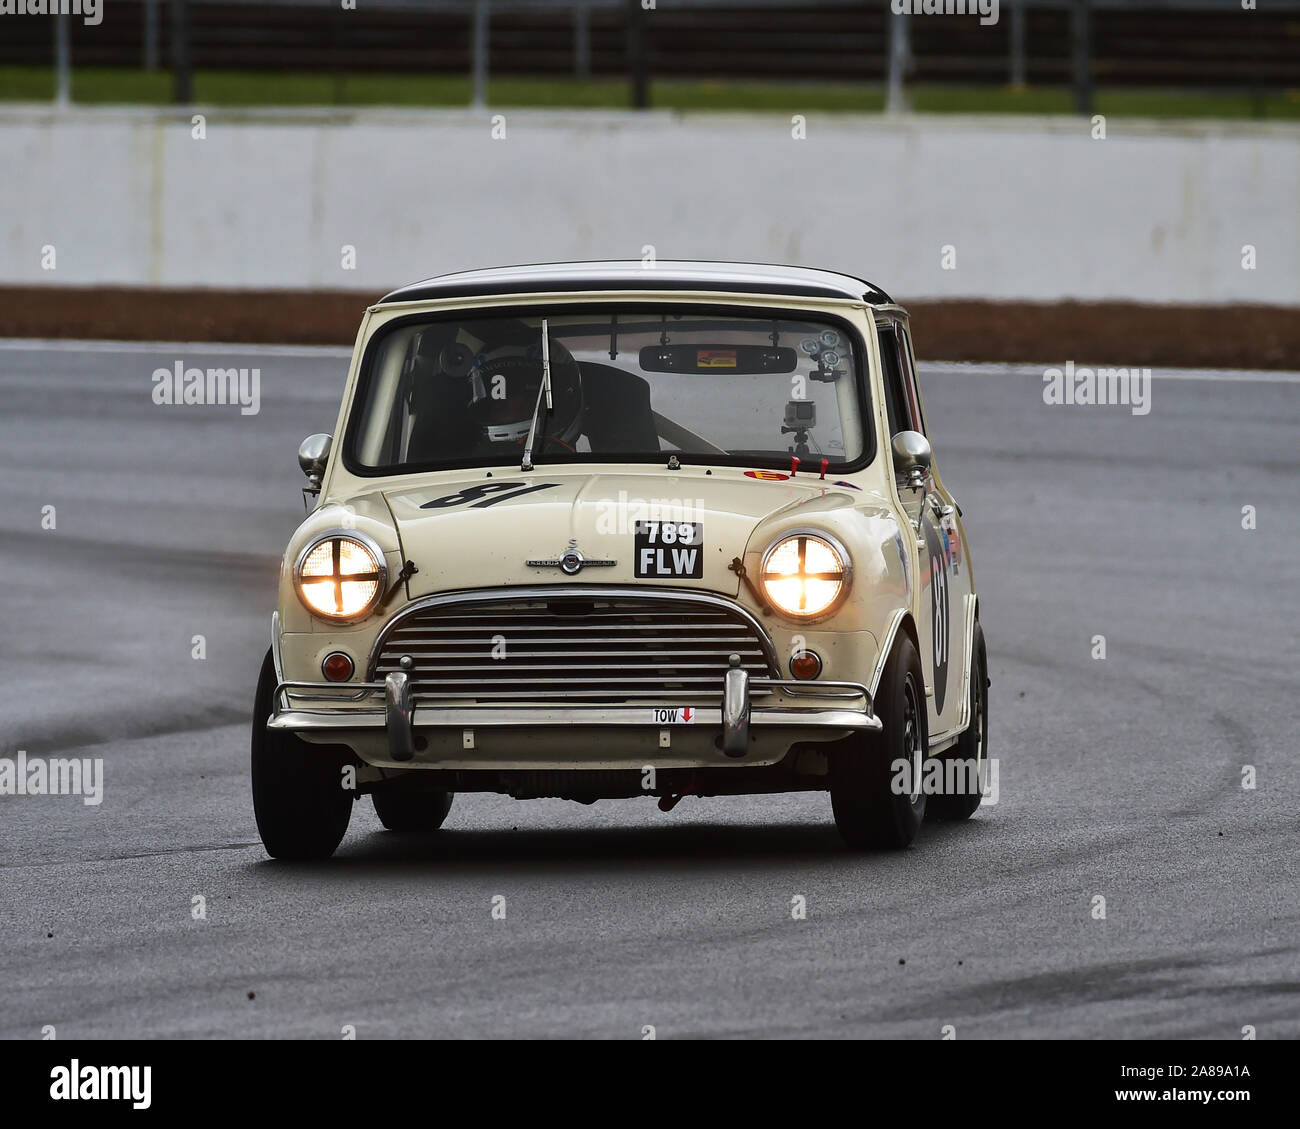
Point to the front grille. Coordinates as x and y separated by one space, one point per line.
591 646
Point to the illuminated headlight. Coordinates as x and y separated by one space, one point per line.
805 574
341 576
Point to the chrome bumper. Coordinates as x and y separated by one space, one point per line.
403 711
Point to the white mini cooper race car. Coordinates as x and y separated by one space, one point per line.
601 530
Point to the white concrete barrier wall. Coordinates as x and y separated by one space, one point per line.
1033 208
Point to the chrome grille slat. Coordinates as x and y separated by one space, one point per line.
608 696
571 615
574 645
733 642
579 627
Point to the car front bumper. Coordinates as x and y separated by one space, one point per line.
388 726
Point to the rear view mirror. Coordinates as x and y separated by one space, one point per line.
718 358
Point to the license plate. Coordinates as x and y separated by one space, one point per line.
668 549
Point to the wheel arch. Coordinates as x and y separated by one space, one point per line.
901 623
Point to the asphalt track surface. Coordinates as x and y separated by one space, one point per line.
1119 777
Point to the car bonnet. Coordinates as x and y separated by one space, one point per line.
481 531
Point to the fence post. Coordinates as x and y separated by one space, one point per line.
62 61
1081 34
900 51
638 64
581 41
151 35
480 49
1018 44
182 79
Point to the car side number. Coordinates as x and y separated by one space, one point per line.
940 617
940 613
490 494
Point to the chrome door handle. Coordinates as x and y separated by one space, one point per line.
940 508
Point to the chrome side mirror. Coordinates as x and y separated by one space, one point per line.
912 459
313 454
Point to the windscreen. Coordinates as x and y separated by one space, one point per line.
624 387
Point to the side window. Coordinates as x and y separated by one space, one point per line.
904 341
898 402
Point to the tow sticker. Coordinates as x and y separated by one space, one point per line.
668 549
673 715
767 475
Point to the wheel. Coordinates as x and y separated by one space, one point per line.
301 806
409 807
970 747
876 778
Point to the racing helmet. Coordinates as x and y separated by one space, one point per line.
501 386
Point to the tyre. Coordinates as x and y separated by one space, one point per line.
970 748
299 801
876 778
409 807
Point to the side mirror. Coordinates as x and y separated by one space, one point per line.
912 458
313 454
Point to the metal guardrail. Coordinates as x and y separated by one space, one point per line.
682 5
1040 41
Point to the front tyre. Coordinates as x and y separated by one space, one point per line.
408 807
301 806
876 791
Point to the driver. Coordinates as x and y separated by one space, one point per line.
490 389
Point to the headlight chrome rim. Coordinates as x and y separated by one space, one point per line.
381 573
835 546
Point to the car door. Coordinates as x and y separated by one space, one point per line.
939 599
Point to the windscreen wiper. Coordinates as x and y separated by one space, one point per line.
543 390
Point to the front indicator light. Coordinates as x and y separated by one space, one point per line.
806 575
341 576
805 665
336 666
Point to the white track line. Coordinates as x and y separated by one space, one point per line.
18 344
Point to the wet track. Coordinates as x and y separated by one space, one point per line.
1119 777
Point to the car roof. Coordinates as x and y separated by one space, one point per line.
545 278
